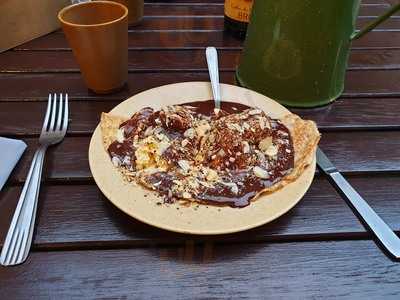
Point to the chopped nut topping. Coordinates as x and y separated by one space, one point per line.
206 184
120 135
177 182
255 112
211 138
261 173
162 137
148 131
162 146
234 126
189 133
212 175
203 128
157 183
116 162
184 142
126 161
265 144
272 150
262 123
233 186
184 164
283 133
150 171
186 195
246 147
260 156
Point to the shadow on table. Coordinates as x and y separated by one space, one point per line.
195 248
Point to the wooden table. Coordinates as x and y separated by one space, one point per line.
86 248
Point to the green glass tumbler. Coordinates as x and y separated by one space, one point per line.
296 51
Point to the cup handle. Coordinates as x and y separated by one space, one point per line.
372 25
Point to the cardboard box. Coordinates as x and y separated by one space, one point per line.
24 20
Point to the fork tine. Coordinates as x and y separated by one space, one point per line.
17 249
65 123
46 118
60 110
10 252
21 251
53 113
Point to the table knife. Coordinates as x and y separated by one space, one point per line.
368 216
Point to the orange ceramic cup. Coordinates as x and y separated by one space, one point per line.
97 32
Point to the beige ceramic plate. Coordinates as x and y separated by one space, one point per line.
141 204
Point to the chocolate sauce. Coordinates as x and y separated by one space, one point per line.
138 123
123 154
239 182
206 108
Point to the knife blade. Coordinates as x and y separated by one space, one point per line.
367 215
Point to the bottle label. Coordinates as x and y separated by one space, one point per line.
238 10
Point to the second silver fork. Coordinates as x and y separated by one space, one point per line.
19 236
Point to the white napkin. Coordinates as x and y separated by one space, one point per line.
10 153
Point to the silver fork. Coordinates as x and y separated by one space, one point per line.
19 236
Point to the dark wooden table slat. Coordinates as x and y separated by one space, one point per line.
200 39
22 86
170 60
288 270
79 216
25 118
352 152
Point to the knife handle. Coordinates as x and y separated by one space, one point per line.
382 231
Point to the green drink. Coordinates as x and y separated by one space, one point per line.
296 51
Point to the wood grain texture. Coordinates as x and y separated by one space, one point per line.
328 270
25 118
216 22
189 9
85 248
169 60
351 152
32 87
198 39
79 216
208 9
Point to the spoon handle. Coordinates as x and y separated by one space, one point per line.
212 62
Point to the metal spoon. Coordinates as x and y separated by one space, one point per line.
212 62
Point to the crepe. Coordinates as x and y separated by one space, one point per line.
304 135
109 125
